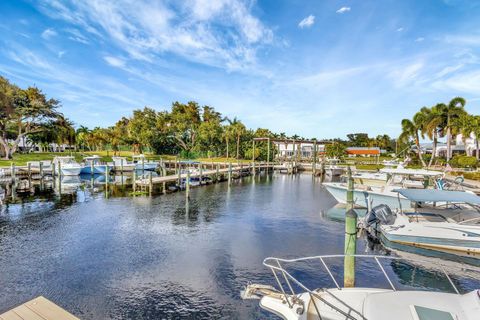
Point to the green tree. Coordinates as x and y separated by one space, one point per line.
184 123
335 150
410 130
238 129
23 113
453 111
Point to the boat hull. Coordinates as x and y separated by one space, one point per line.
75 171
442 237
97 169
148 166
361 197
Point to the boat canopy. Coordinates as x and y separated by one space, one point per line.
403 171
435 195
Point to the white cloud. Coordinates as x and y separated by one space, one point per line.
420 39
307 22
221 33
114 61
77 36
465 39
47 34
343 10
400 29
467 82
61 54
406 74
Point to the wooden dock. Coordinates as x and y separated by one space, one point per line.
38 309
145 181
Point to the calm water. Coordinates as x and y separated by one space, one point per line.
161 258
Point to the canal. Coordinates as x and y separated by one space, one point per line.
161 257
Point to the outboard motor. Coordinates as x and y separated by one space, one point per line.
381 214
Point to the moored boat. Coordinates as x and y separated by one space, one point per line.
439 220
355 303
68 166
373 195
94 165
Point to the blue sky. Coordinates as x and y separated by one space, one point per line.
319 68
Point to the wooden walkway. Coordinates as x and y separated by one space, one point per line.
145 181
38 309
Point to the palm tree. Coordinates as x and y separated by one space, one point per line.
238 130
432 126
410 130
228 133
454 110
470 124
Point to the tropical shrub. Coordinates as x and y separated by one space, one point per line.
463 162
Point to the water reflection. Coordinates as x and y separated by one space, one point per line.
162 257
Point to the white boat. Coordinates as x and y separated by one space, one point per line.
142 164
357 303
68 166
332 169
373 195
94 165
370 178
139 163
440 220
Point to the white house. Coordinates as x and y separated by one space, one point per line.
287 149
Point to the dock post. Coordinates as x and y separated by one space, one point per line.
12 171
91 167
59 169
229 173
314 165
350 235
268 156
134 180
54 173
218 172
187 184
201 173
164 173
150 184
179 177
106 182
253 159
121 165
143 166
41 169
29 169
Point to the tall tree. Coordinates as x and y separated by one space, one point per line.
238 129
410 130
433 125
453 111
22 113
184 123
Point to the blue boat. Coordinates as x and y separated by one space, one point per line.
93 165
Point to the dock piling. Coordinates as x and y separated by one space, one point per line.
253 159
150 184
187 185
350 235
134 180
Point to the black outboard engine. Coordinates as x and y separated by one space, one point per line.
381 214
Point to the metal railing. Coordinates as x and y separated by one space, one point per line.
275 265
